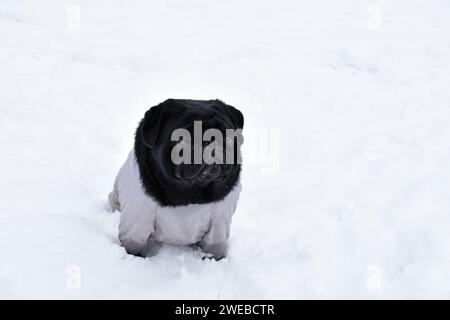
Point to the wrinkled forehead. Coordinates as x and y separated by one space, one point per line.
209 114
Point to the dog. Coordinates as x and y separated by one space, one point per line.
187 202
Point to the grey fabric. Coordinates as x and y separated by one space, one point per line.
143 221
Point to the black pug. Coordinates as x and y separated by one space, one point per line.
180 184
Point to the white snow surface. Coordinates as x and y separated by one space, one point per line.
357 92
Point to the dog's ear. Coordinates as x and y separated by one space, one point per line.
234 114
151 126
237 116
155 119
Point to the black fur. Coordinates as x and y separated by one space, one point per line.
153 147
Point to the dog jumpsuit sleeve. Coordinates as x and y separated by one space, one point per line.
138 211
135 228
215 240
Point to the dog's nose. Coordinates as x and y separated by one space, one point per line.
198 173
189 172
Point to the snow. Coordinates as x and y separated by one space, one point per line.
346 184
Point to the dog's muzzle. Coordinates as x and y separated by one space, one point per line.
198 173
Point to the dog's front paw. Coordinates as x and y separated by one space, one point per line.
214 251
152 248
211 257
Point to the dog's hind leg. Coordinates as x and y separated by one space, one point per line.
114 198
114 201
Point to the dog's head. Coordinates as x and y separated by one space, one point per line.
188 151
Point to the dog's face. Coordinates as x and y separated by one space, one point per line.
188 151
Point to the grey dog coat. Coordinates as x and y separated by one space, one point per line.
144 223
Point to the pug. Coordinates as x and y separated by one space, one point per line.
180 184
